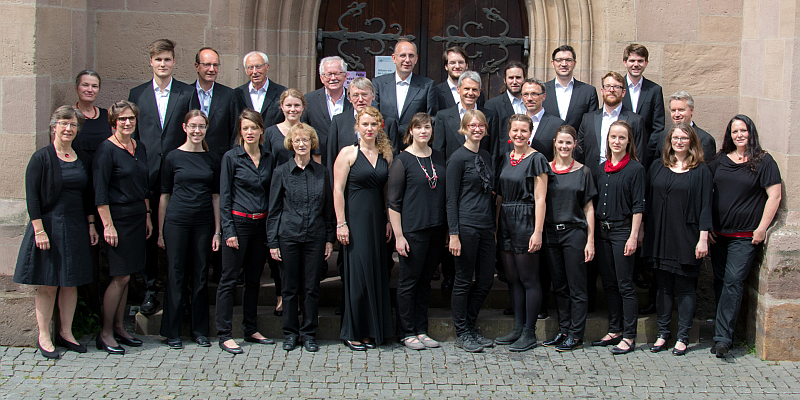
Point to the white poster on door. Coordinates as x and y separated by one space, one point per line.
384 65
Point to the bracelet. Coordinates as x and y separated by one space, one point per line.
91 222
149 211
218 234
341 225
39 233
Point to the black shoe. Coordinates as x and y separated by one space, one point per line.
290 343
618 351
610 342
485 342
560 338
265 340
311 345
525 342
569 345
369 345
232 350
53 355
149 305
447 284
101 345
511 337
278 313
175 343
542 315
641 280
202 341
681 352
467 342
721 349
132 342
650 309
353 346
337 311
508 311
656 349
76 347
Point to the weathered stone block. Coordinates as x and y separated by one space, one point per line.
774 77
105 4
701 69
18 101
712 113
717 29
54 42
169 6
750 14
779 276
652 15
15 151
778 337
720 7
771 119
17 39
769 17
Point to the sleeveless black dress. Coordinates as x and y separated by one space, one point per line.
367 311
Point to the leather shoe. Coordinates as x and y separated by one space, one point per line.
508 311
616 350
202 341
132 342
720 349
76 347
569 345
149 305
677 352
560 338
353 346
101 345
613 341
265 340
650 309
370 345
53 355
175 343
311 345
290 343
232 350
542 315
656 349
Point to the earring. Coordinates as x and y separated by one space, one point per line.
509 141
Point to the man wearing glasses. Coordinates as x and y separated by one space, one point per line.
446 137
215 100
455 63
260 94
329 101
570 98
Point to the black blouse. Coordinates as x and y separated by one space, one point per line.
620 194
191 179
243 187
739 194
119 177
93 132
301 204
410 193
469 190
43 182
567 194
515 183
274 142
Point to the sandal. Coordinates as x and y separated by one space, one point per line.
413 343
427 341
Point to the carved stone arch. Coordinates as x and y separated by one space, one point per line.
557 22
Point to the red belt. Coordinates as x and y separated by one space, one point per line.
251 216
736 234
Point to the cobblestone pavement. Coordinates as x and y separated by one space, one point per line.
393 372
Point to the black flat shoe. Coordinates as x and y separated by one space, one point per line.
232 350
618 351
53 355
542 315
76 347
663 346
560 338
132 342
101 345
290 344
353 346
610 342
175 343
149 305
677 352
265 340
202 341
569 345
370 345
311 345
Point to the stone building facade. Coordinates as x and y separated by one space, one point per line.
734 56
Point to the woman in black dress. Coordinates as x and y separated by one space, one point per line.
747 193
521 192
188 215
470 220
676 232
417 211
121 190
244 195
360 174
300 231
569 238
620 205
95 127
53 254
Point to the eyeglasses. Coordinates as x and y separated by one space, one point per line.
360 95
193 127
476 126
126 119
563 60
302 140
613 87
680 139
209 65
329 75
533 94
249 68
65 124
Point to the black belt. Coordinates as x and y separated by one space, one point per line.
561 227
614 224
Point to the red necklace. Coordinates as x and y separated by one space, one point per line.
94 109
563 171
516 162
133 144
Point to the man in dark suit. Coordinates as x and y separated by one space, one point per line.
260 94
215 100
544 126
643 96
505 105
402 94
325 103
455 63
163 103
446 137
593 132
681 108
569 98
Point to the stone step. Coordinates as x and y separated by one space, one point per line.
492 323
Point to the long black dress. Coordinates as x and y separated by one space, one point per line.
367 312
515 185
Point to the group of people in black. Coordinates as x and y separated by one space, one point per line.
543 183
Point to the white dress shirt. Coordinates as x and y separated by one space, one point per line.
536 118
634 91
516 104
204 97
162 100
461 111
454 91
258 96
563 97
334 107
402 91
608 119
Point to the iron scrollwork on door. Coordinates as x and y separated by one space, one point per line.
490 66
344 35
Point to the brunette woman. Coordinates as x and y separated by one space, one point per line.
95 127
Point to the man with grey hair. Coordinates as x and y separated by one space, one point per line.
260 94
446 137
681 108
327 102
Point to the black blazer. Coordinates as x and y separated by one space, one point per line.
588 149
220 135
160 141
43 182
421 97
446 137
650 106
316 115
446 98
270 110
342 134
707 142
583 100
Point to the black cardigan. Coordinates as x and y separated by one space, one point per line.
43 182
700 194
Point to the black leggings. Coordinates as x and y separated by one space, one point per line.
522 272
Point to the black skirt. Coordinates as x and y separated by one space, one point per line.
129 255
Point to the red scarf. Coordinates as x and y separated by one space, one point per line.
611 168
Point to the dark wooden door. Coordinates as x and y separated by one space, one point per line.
424 20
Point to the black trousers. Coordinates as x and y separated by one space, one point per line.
731 259
151 266
300 277
251 255
414 282
668 284
616 271
565 258
477 259
188 252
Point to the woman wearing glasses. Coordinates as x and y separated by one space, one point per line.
188 215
